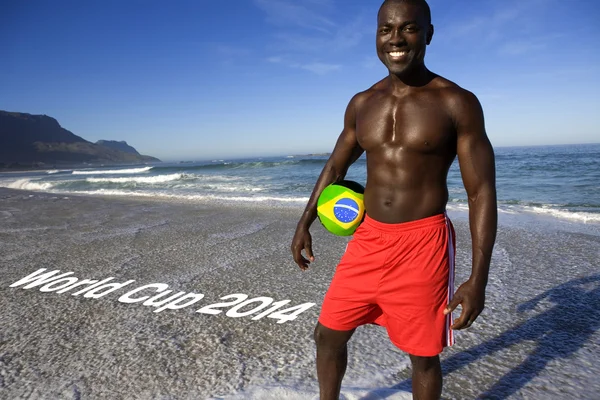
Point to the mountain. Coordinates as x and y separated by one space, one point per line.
27 139
118 145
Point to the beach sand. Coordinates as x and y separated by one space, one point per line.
59 346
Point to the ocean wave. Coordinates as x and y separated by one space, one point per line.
216 166
59 171
250 164
218 178
29 184
291 393
112 171
259 199
227 165
140 179
196 197
579 216
457 207
369 382
233 188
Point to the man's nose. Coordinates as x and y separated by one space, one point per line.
397 38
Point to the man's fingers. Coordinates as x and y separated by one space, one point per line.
472 305
309 253
299 244
466 319
299 259
303 263
462 324
452 305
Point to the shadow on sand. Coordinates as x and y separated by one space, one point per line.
559 332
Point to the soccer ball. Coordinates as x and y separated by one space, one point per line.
341 207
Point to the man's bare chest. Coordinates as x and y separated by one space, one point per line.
411 124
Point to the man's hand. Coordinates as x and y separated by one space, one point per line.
302 241
472 298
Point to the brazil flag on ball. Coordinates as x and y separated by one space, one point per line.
341 207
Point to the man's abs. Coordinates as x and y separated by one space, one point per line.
393 205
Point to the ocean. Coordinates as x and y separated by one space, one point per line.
561 181
220 227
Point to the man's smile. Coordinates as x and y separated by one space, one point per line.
397 55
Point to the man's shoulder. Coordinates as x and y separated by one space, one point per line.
449 89
360 98
456 98
460 104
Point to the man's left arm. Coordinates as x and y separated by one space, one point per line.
477 167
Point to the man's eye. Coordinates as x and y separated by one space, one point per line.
410 29
384 30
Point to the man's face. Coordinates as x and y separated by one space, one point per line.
403 32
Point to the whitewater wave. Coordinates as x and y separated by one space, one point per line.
258 199
112 171
218 178
233 188
28 184
194 197
290 393
140 179
578 216
454 205
565 214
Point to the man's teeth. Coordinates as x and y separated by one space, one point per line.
397 53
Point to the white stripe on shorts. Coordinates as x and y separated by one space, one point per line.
451 255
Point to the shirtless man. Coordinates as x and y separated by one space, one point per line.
398 268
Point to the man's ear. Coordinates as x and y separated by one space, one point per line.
430 34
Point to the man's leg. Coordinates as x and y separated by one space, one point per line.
332 357
426 378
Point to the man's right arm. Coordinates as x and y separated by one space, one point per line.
346 151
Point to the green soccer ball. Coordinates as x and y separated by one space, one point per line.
341 207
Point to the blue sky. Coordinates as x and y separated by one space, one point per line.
209 79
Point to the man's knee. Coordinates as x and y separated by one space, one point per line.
420 363
330 338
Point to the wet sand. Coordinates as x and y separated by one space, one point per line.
56 345
62 346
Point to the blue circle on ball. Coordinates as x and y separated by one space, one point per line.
345 210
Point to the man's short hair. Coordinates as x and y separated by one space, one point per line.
422 3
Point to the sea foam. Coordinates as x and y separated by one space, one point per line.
139 179
28 184
565 214
112 171
291 393
236 199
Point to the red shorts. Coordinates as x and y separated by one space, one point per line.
400 276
